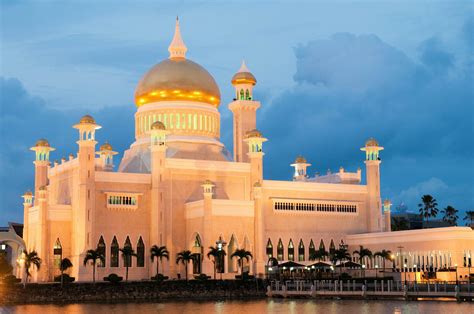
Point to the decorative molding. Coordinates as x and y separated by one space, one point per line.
122 177
314 187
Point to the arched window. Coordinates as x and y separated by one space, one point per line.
322 246
127 260
301 251
140 253
291 251
241 94
269 249
280 250
58 252
312 249
332 247
247 95
197 249
114 253
101 250
231 262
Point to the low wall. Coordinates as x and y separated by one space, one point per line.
131 291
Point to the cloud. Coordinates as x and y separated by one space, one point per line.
434 56
431 186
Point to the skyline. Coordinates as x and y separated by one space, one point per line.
406 93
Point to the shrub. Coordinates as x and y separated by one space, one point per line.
245 276
113 278
159 277
10 280
202 277
66 278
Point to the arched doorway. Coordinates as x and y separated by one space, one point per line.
197 249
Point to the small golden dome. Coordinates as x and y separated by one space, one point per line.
387 202
87 119
371 142
257 184
42 143
253 133
243 78
106 146
158 125
208 182
28 193
300 160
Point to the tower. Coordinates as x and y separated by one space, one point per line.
372 163
84 209
106 155
300 166
158 148
387 215
27 203
42 150
244 109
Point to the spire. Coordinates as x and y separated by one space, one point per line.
177 48
243 68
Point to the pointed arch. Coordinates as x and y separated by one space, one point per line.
58 251
101 249
312 249
321 245
128 259
242 94
140 253
247 94
301 251
114 253
332 247
231 262
269 249
291 251
198 250
280 250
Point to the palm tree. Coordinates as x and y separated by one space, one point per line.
242 254
127 253
428 207
399 223
469 216
318 255
385 255
216 254
185 257
31 259
63 266
363 252
159 252
450 215
93 256
340 254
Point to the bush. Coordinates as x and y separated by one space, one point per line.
159 277
113 278
202 277
245 276
10 280
66 278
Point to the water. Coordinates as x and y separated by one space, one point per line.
252 307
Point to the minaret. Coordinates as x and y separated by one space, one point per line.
372 162
106 155
84 210
259 230
244 109
27 203
387 215
177 48
158 217
300 166
254 141
42 150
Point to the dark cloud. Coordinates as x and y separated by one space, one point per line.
434 56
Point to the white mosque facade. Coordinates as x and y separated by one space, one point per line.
178 186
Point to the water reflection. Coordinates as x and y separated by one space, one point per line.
251 307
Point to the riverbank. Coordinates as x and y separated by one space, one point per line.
131 291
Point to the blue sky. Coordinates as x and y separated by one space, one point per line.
330 75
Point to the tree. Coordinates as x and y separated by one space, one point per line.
93 256
450 215
185 257
216 255
318 255
159 252
428 207
242 254
385 255
363 252
399 224
340 254
31 259
127 253
5 267
469 217
63 266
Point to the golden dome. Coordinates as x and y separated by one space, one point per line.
386 202
253 133
177 79
106 146
243 78
300 160
371 142
87 119
42 143
28 193
208 182
158 125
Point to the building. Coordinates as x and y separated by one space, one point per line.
12 245
177 185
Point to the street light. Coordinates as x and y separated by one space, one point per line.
220 246
405 271
376 271
456 265
414 266
363 270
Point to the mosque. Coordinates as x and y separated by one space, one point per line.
177 185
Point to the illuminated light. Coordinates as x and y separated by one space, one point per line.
197 93
154 93
163 95
176 91
181 95
212 98
142 100
270 269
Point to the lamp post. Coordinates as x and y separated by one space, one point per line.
376 271
363 270
456 265
414 266
405 271
332 272
220 247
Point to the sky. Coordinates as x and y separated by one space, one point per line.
330 75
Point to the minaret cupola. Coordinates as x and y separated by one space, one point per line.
244 81
300 164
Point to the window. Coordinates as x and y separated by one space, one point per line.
313 205
127 260
301 251
280 250
117 200
231 262
197 249
114 253
291 251
140 253
241 94
247 95
101 250
332 247
269 249
58 252
311 250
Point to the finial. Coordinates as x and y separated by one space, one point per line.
243 67
177 48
